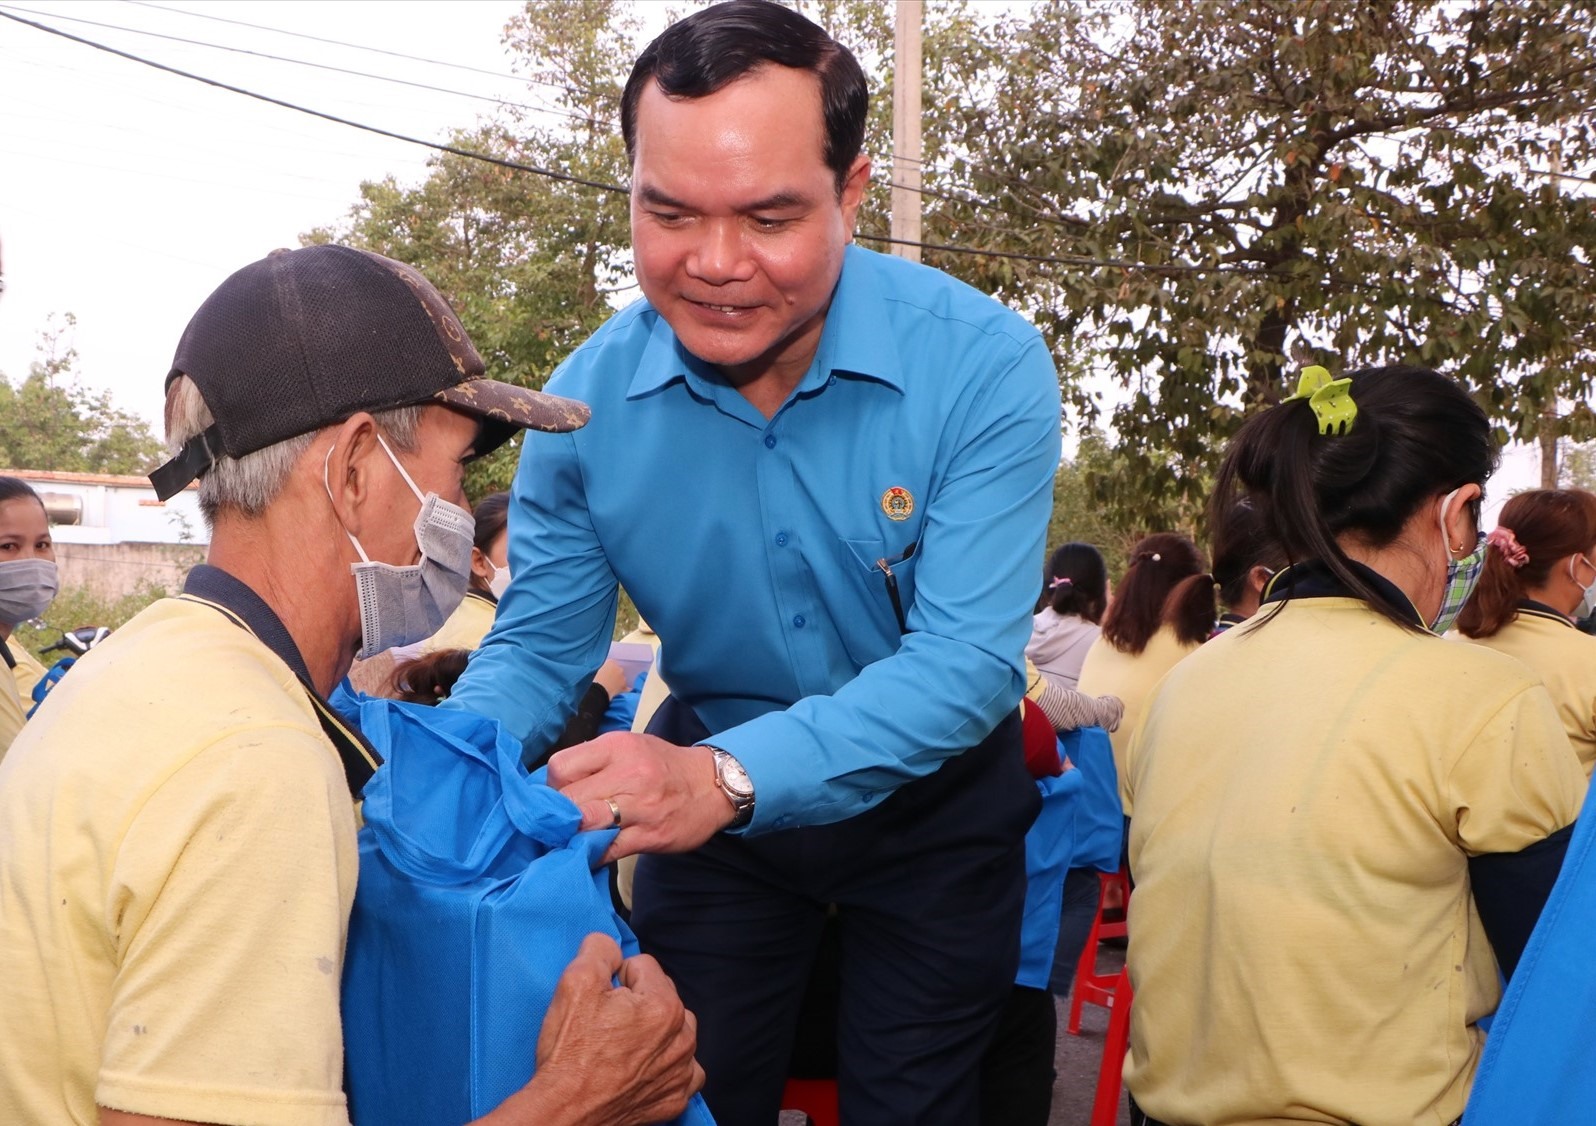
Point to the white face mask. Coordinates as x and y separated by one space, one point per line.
404 605
27 587
1587 604
500 582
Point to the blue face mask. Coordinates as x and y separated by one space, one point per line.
1462 575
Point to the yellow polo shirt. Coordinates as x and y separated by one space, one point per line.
1308 791
177 866
466 627
27 672
1132 677
1565 660
14 703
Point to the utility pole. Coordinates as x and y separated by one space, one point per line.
906 128
1547 437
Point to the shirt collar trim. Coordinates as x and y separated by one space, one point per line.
214 587
1313 579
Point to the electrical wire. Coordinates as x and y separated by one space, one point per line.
490 98
439 146
455 150
353 46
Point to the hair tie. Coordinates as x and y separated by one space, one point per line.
1151 556
1513 553
1062 580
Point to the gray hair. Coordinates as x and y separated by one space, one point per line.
248 484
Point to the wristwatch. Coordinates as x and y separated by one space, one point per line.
734 782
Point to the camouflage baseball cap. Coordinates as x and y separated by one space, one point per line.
306 338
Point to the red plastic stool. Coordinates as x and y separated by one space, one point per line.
1091 987
815 1097
1105 1106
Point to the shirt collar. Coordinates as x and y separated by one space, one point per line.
1313 579
852 342
214 587
1541 610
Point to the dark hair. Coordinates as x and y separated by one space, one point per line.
1085 591
428 678
492 515
1242 542
15 488
1416 434
712 48
1550 525
1164 585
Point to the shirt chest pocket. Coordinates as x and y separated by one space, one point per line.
867 621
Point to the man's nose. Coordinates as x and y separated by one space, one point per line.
720 256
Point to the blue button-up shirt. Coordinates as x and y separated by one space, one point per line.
930 417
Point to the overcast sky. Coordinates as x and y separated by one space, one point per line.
127 194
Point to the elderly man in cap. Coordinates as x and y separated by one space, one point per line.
177 828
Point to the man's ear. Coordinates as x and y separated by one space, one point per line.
853 192
351 471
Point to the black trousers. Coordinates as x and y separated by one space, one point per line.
928 889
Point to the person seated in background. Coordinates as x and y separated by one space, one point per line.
1245 559
1539 578
28 584
1343 825
1074 596
178 852
1162 610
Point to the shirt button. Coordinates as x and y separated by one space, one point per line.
781 539
798 620
770 441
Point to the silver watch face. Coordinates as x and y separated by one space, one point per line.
733 778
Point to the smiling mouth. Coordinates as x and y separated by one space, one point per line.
722 308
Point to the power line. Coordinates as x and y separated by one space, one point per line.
353 46
947 248
305 63
453 149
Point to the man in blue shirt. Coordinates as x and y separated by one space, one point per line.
824 477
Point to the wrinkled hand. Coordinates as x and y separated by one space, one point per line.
613 1055
666 794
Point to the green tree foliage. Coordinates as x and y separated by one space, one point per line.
1230 183
52 421
1191 194
1081 512
528 262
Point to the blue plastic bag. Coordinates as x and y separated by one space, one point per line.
1100 823
1048 847
1537 1065
476 889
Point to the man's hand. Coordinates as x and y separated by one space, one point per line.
609 1055
666 794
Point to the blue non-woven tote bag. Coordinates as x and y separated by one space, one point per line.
476 889
1538 1066
1049 844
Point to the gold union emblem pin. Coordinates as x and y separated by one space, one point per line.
897 503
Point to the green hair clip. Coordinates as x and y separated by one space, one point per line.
1331 399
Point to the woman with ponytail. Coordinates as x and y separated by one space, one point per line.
1074 596
1539 578
1343 824
1162 610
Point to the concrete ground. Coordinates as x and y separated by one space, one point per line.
1077 1058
